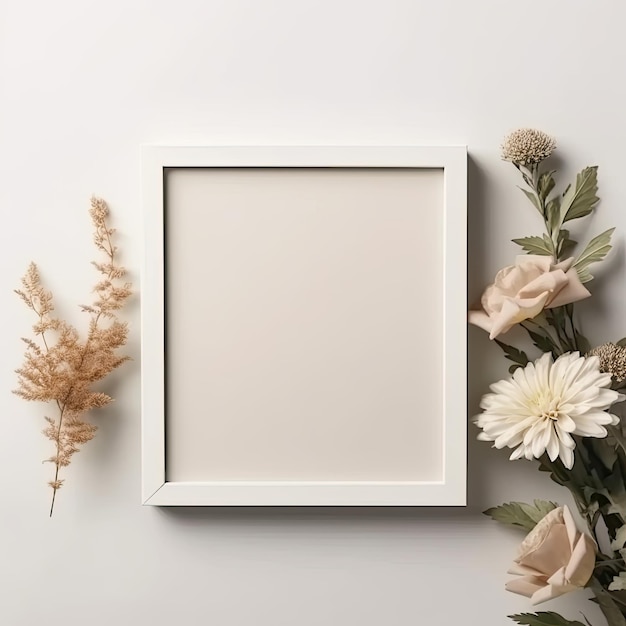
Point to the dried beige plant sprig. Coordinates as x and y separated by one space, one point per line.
61 368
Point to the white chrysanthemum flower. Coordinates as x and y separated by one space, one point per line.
545 403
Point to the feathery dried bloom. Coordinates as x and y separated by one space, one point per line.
61 367
527 146
612 360
542 405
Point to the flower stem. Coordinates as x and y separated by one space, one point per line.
58 467
62 405
54 491
608 603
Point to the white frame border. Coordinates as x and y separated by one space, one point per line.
452 489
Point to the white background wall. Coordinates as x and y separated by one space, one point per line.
82 85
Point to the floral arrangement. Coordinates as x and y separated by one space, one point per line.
59 367
556 409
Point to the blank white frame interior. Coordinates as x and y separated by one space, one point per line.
314 348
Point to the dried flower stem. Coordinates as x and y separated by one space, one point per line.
63 371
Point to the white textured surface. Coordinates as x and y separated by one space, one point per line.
82 85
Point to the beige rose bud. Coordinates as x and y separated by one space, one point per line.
523 290
554 559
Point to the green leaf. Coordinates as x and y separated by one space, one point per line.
544 507
543 343
527 179
546 184
615 486
582 342
585 276
595 251
607 604
619 582
565 244
513 354
533 198
580 199
553 214
544 618
536 245
520 514
621 342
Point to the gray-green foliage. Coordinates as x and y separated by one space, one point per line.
543 618
581 198
536 245
520 514
596 250
519 357
578 200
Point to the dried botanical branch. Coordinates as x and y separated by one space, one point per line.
61 367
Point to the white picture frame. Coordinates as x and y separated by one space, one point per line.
159 162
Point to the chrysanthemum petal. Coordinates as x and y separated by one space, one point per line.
604 399
566 423
540 441
567 456
565 439
518 453
590 428
552 447
600 417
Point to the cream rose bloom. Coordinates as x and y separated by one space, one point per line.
523 290
554 559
